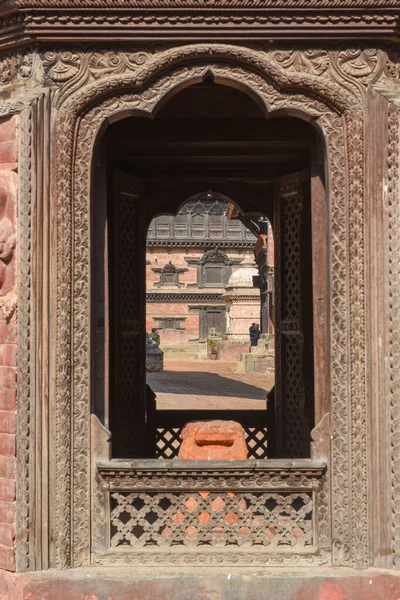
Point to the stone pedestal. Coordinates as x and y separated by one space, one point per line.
154 356
260 359
254 363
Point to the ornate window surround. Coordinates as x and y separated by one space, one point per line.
87 111
169 269
337 110
214 258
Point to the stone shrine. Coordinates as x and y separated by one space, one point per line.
242 297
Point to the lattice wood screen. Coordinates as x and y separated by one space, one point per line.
188 512
168 442
215 519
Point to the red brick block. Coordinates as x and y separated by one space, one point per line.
8 129
8 400
8 377
8 152
7 513
8 355
8 332
7 421
7 467
7 489
7 444
7 535
7 558
213 440
8 167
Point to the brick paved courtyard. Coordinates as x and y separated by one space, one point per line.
206 384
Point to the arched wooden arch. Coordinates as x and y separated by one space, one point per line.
78 123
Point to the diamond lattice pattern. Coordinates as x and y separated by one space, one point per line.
214 519
168 442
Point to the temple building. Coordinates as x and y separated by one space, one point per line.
190 258
144 148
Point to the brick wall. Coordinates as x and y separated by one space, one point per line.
8 338
158 258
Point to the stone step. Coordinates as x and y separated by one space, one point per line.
188 351
205 580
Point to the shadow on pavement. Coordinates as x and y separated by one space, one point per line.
202 384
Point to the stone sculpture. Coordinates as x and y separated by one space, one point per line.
213 440
154 356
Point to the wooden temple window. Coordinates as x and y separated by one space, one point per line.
214 269
170 324
169 275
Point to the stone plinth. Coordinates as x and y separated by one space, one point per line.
253 363
231 350
213 440
265 345
260 359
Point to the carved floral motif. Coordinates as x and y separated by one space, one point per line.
314 62
14 67
394 311
358 62
61 66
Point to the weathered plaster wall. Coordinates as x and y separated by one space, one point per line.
8 338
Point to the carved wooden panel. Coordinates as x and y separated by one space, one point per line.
161 513
127 371
211 519
292 437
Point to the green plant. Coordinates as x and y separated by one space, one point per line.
212 344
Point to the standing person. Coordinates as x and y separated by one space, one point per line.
155 336
254 334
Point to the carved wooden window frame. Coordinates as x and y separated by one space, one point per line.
336 111
166 271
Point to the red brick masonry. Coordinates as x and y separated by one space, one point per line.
262 583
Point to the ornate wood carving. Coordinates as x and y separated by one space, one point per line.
183 297
91 86
158 504
24 436
339 463
290 384
242 19
394 340
359 514
90 124
129 342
